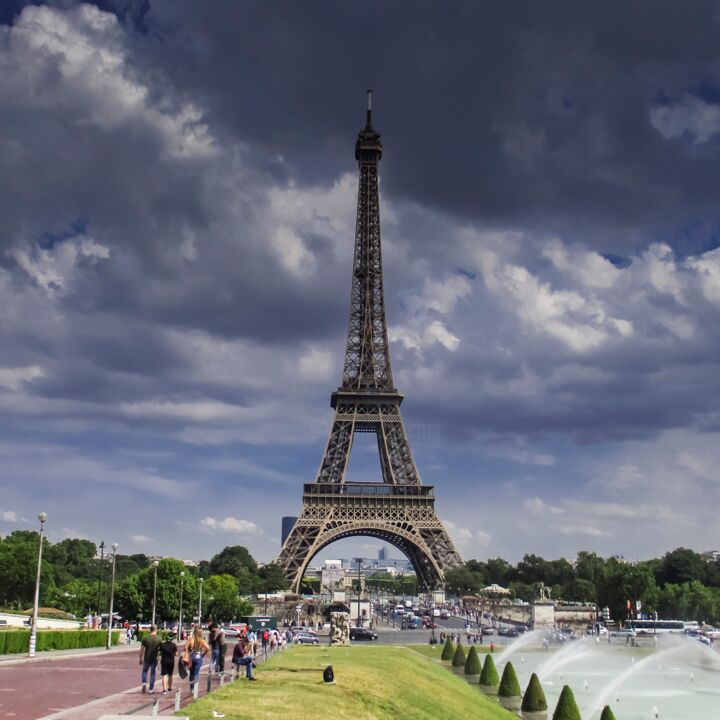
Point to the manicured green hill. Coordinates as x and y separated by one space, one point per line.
371 683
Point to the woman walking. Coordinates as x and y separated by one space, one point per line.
196 649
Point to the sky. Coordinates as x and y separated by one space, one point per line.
177 209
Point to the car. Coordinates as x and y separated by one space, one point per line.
623 632
444 615
306 638
508 632
359 633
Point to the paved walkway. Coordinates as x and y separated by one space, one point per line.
83 685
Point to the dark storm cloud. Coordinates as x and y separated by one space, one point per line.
178 216
520 113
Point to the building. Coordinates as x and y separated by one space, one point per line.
287 525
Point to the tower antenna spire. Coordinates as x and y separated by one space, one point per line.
369 107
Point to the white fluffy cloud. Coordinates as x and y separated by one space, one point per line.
690 116
229 525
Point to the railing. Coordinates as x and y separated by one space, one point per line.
369 489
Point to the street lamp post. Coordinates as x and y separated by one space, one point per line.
155 567
359 622
112 596
42 517
182 579
200 580
101 573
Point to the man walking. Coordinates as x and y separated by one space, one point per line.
148 658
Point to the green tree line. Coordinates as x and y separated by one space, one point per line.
682 584
75 580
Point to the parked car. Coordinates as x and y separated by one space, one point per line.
359 633
306 638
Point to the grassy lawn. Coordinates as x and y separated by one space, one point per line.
371 683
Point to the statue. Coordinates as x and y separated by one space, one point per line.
339 628
543 591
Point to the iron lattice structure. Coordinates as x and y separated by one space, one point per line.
399 510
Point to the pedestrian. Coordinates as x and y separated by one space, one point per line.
242 655
252 639
148 658
218 645
196 649
168 651
265 638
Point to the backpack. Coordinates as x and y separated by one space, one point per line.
265 636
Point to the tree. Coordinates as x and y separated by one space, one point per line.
489 678
462 581
222 601
448 650
534 697
168 590
231 560
18 566
77 597
459 658
129 599
499 571
472 663
272 577
509 685
607 714
566 708
681 566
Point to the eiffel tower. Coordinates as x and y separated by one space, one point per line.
400 509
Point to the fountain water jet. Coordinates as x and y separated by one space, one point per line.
566 655
617 682
527 639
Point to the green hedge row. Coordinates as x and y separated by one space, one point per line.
18 641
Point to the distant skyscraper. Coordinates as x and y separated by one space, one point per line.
382 553
287 525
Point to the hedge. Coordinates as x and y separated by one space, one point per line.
489 676
18 641
567 708
448 650
509 685
458 660
472 664
607 714
534 698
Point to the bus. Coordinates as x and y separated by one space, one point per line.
657 627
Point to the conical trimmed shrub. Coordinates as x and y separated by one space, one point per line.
509 685
534 698
509 692
459 658
448 650
489 678
566 708
472 664
607 714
